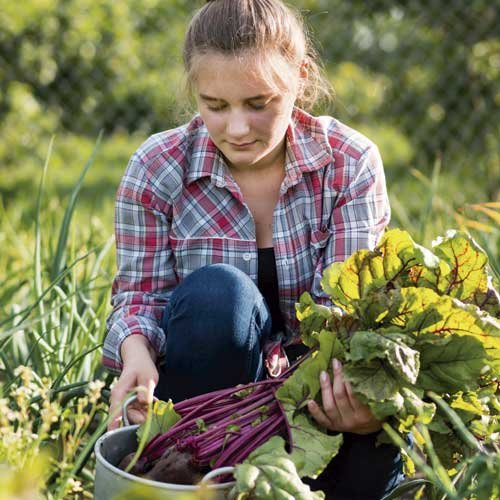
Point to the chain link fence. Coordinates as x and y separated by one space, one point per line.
421 77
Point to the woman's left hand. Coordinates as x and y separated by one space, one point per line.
342 411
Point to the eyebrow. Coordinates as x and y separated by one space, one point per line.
253 98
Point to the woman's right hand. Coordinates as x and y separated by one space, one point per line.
139 371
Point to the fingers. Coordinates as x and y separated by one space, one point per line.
126 383
327 398
118 394
341 410
354 401
139 372
342 401
319 415
145 391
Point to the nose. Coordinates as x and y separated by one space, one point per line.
237 126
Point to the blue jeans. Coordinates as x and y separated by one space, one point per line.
216 324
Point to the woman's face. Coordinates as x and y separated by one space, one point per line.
245 114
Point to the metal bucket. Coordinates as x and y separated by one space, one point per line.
110 481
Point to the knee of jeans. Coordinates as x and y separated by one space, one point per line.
217 288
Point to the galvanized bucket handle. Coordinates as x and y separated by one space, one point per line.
129 400
216 472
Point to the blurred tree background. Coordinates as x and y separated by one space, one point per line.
420 78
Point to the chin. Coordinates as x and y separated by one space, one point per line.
242 160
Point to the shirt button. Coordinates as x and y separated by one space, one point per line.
284 262
222 183
247 256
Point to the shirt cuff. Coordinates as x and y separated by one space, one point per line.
123 328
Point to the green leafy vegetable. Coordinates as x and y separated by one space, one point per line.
414 320
269 473
163 417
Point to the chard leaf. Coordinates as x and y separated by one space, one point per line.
163 417
486 329
354 278
313 449
488 301
403 360
414 410
375 384
343 326
440 425
432 318
401 253
467 402
410 309
269 473
306 376
312 317
467 261
388 266
451 366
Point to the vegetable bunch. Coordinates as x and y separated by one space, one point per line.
222 427
413 320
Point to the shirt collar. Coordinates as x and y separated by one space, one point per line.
307 146
307 150
206 160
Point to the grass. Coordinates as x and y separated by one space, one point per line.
54 305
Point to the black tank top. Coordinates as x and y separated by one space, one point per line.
267 281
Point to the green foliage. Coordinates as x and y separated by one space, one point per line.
53 305
420 85
46 438
163 416
421 80
269 473
474 477
417 328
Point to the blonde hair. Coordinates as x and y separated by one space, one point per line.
258 27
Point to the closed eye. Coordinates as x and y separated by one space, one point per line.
258 106
217 108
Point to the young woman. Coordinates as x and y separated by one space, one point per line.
222 223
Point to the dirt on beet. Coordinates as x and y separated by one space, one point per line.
172 467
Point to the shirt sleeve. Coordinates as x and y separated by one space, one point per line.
358 219
146 274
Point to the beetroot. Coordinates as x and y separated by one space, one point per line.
217 429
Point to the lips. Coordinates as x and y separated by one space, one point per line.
242 145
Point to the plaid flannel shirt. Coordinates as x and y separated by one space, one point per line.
178 209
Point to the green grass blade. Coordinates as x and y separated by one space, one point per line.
72 363
59 258
457 423
436 463
81 387
84 455
27 310
490 246
37 269
428 471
